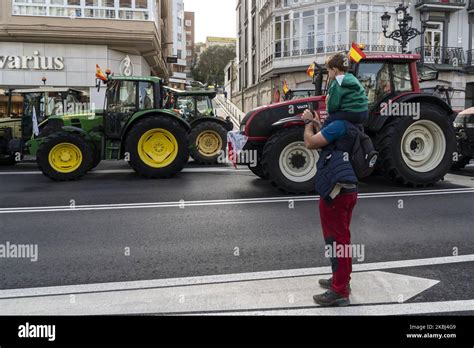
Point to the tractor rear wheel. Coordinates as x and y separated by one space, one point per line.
158 147
64 156
419 152
208 140
257 169
7 160
290 166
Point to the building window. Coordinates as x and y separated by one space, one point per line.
188 23
104 9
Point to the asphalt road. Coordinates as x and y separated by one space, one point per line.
210 227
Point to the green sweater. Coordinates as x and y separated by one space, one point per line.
349 96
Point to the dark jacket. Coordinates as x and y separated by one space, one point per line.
334 166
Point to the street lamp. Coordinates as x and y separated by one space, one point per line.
405 32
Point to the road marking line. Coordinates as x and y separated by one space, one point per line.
225 278
295 292
386 309
128 171
181 204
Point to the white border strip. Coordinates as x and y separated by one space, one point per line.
388 309
183 204
224 278
129 171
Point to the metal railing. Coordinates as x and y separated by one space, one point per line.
441 2
453 56
231 109
469 58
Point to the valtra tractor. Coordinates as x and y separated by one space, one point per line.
413 131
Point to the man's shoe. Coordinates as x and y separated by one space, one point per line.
326 284
331 299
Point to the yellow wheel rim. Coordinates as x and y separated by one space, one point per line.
209 143
158 148
65 158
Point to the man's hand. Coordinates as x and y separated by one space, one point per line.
308 115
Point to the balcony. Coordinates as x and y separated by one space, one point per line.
470 58
446 57
470 7
441 5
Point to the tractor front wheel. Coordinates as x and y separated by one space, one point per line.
208 141
158 147
419 152
64 156
290 166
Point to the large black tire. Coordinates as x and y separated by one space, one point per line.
464 161
42 157
211 153
286 149
97 158
181 152
7 160
408 170
258 168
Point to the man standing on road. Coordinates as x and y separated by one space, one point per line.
336 182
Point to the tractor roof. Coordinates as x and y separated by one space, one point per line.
46 89
154 79
392 56
202 92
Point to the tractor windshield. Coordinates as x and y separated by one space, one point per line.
204 106
122 96
381 79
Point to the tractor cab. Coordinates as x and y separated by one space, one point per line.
191 104
125 96
18 107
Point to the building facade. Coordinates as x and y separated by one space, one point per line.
63 40
279 39
189 19
176 40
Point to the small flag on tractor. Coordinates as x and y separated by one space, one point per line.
99 73
286 89
356 54
35 123
310 71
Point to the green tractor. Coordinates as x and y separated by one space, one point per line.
208 137
133 126
17 108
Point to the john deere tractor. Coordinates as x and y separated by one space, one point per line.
208 137
416 143
133 126
17 108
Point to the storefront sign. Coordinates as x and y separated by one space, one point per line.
126 66
35 62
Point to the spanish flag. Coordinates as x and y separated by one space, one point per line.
356 54
99 74
286 89
310 71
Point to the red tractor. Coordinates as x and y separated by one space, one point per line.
413 131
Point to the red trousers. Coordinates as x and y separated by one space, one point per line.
335 221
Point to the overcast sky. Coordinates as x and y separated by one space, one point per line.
213 17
